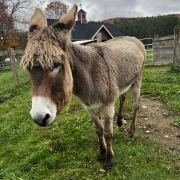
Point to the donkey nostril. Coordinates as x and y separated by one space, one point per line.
45 119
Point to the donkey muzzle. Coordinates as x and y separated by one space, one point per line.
43 111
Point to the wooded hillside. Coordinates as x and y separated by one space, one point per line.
142 27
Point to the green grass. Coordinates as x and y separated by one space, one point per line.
164 84
69 148
149 57
176 123
8 88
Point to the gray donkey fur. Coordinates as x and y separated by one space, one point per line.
97 74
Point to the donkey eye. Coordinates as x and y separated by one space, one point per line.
55 65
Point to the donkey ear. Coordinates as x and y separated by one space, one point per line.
67 21
38 19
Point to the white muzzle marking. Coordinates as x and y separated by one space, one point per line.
43 111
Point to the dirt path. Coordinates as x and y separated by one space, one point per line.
154 120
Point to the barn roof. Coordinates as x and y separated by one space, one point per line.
89 30
84 30
81 11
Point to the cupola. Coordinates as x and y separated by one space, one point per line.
82 16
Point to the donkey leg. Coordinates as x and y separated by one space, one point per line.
120 116
100 133
136 94
108 134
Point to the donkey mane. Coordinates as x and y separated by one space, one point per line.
43 49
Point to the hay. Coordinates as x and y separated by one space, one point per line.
43 48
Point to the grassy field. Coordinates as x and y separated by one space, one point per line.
69 148
149 57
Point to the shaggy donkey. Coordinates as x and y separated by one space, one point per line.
97 74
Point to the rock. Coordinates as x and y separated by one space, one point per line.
124 121
172 148
147 131
165 114
149 125
144 107
102 170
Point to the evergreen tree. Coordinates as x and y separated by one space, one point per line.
147 27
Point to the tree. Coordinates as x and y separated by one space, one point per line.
12 41
15 14
147 26
55 10
6 24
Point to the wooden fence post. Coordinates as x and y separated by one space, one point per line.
13 65
176 59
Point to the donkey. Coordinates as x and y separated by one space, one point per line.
97 74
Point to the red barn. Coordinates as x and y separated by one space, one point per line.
87 31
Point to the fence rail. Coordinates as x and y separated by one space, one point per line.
12 64
160 50
5 66
163 50
5 53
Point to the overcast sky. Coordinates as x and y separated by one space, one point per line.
106 9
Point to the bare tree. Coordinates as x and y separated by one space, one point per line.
19 12
55 10
6 22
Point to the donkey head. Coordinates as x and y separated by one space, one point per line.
46 58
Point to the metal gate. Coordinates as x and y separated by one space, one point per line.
149 50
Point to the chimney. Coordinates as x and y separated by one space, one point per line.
82 16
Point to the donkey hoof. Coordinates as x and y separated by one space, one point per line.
119 123
108 165
130 135
107 168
